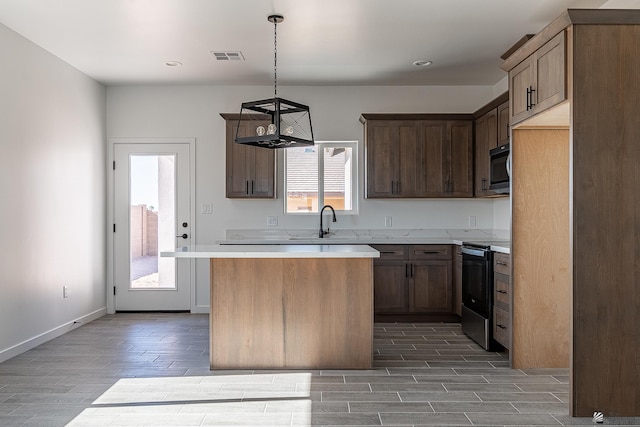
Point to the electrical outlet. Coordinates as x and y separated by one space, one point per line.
65 292
206 208
472 221
387 221
272 221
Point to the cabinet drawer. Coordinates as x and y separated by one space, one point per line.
390 252
502 263
430 252
501 293
501 326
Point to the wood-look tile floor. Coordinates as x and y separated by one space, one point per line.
152 370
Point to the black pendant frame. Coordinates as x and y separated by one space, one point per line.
279 110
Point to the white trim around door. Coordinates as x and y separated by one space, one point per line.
111 142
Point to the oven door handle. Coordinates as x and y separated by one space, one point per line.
474 251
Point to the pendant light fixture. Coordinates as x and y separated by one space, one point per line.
279 123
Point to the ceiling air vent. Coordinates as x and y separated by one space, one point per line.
227 56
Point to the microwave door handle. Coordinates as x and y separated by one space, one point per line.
509 165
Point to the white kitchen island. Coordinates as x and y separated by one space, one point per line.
289 306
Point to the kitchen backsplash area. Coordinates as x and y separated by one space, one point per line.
364 235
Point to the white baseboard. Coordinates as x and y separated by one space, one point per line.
20 348
201 309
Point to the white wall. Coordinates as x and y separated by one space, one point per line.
194 111
52 195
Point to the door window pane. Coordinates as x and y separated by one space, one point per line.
152 222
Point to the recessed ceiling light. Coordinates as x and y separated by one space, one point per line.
173 64
422 63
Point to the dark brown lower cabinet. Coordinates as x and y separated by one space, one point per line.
430 287
414 280
391 291
502 299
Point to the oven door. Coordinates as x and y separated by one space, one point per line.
477 280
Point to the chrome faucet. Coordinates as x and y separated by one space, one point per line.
322 232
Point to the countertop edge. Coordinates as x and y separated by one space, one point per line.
273 251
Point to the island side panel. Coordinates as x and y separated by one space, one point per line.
329 308
291 313
246 319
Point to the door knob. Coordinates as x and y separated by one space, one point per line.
185 225
184 236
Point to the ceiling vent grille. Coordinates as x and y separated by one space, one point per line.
227 56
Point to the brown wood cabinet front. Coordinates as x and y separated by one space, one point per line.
250 171
418 158
538 82
413 279
486 139
430 288
502 296
503 124
392 159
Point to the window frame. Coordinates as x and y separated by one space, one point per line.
353 144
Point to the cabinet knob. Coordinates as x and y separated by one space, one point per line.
500 291
501 326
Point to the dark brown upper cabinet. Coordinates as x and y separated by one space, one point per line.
491 131
538 82
250 171
411 156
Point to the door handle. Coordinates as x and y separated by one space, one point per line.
183 235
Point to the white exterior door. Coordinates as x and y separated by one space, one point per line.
151 214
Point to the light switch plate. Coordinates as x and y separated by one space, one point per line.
387 221
472 221
272 221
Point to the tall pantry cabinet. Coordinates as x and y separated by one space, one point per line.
576 206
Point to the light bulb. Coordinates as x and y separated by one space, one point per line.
271 129
260 130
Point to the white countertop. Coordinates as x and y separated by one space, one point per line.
273 251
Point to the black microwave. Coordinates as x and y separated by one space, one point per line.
500 169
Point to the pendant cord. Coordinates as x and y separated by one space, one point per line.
275 59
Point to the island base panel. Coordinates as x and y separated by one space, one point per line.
291 313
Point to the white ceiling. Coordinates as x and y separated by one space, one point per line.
321 42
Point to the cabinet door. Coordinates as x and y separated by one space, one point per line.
503 124
521 80
486 139
433 175
262 183
549 63
390 287
393 150
409 154
381 141
250 171
460 159
238 159
431 287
